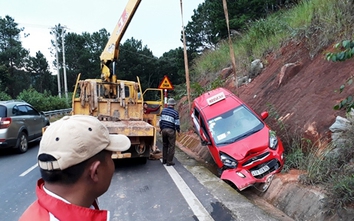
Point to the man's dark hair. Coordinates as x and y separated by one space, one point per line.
69 175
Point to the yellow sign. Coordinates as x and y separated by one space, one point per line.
166 84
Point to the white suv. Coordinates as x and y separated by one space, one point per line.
20 123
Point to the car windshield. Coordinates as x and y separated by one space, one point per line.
234 125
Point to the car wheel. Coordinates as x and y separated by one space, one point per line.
22 143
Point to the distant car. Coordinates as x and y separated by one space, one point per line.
244 148
20 123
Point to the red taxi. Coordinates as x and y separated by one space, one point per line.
244 148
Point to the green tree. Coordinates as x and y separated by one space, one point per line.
172 64
41 78
12 57
82 54
208 24
137 60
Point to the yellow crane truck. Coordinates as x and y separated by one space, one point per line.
118 103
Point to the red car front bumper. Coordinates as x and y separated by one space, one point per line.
243 178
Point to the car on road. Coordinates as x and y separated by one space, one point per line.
20 123
246 151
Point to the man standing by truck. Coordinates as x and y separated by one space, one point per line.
169 124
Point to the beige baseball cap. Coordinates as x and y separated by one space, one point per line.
74 139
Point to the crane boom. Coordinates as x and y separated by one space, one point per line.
119 103
111 51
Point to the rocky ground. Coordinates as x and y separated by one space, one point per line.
300 88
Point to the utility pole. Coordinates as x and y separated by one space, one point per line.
232 53
186 61
64 67
57 57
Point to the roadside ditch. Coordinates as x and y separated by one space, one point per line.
302 203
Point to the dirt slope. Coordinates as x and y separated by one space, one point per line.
306 95
301 89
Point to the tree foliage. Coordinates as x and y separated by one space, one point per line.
82 55
38 69
42 101
136 60
18 70
344 51
208 24
12 55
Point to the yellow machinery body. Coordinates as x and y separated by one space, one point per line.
122 113
119 103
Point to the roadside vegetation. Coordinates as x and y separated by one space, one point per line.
327 165
318 24
40 101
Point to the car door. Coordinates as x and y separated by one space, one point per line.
21 119
35 122
200 126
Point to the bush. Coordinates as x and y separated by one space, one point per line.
43 102
329 167
4 96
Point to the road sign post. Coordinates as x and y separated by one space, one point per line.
166 85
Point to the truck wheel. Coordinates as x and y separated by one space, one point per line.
22 143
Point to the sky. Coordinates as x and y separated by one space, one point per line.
157 23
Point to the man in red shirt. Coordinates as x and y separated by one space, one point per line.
148 110
75 162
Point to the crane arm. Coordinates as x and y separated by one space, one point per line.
111 51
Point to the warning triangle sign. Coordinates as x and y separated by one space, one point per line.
166 84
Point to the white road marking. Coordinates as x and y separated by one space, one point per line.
29 170
198 209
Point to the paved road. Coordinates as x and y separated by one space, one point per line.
138 191
151 191
17 182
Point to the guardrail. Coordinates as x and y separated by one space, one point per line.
57 112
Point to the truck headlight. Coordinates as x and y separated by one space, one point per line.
228 161
273 140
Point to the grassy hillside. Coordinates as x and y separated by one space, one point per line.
319 23
314 25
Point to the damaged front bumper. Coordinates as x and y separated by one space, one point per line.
262 174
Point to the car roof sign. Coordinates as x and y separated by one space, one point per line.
216 98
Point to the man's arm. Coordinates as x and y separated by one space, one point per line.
149 109
177 123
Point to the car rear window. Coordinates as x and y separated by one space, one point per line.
3 111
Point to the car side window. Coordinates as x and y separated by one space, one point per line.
195 116
204 128
16 111
31 111
22 110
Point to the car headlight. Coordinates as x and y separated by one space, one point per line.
228 161
273 140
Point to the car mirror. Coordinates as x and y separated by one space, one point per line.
205 143
204 139
264 115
